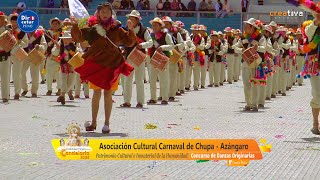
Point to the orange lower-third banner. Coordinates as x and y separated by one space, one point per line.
157 149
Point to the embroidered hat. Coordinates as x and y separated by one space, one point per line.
202 28
66 20
54 19
13 15
298 31
267 28
228 29
135 14
195 27
253 22
166 19
238 31
179 24
273 24
2 14
157 20
220 33
214 33
66 35
281 29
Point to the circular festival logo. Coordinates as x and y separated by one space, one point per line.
28 21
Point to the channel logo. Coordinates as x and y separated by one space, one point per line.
28 21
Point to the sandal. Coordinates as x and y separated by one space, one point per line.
139 105
152 102
105 129
125 105
91 128
315 131
246 108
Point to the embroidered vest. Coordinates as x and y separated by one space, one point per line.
247 45
230 42
161 41
140 38
218 57
48 53
70 47
206 51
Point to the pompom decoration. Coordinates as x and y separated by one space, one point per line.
310 68
260 77
306 5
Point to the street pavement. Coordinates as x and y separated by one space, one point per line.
28 126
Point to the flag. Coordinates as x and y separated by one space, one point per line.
77 9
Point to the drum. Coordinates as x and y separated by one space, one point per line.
19 53
7 41
76 61
136 57
36 57
174 58
250 56
159 61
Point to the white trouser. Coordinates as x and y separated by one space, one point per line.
173 69
204 71
262 90
289 81
269 86
250 90
138 74
315 91
34 71
300 62
196 74
67 81
148 67
218 67
41 67
236 69
10 73
16 74
5 78
52 68
122 81
78 86
275 80
230 62
182 75
223 73
188 75
164 83
284 76
211 72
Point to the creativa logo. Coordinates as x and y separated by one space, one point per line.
28 21
289 13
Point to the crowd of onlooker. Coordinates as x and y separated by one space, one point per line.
220 7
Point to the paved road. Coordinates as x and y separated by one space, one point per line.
28 125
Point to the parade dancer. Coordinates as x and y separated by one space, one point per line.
276 59
292 60
312 68
102 68
199 55
252 38
223 64
285 44
186 67
300 54
22 39
271 52
207 45
237 58
162 42
190 62
173 67
231 40
4 64
78 82
52 65
218 49
36 41
144 41
65 49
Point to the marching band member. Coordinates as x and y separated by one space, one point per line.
162 42
144 41
104 32
300 54
231 40
199 55
189 59
52 65
276 59
173 67
207 45
65 49
293 56
84 48
252 38
218 49
36 41
312 32
4 63
285 44
237 58
189 48
22 39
